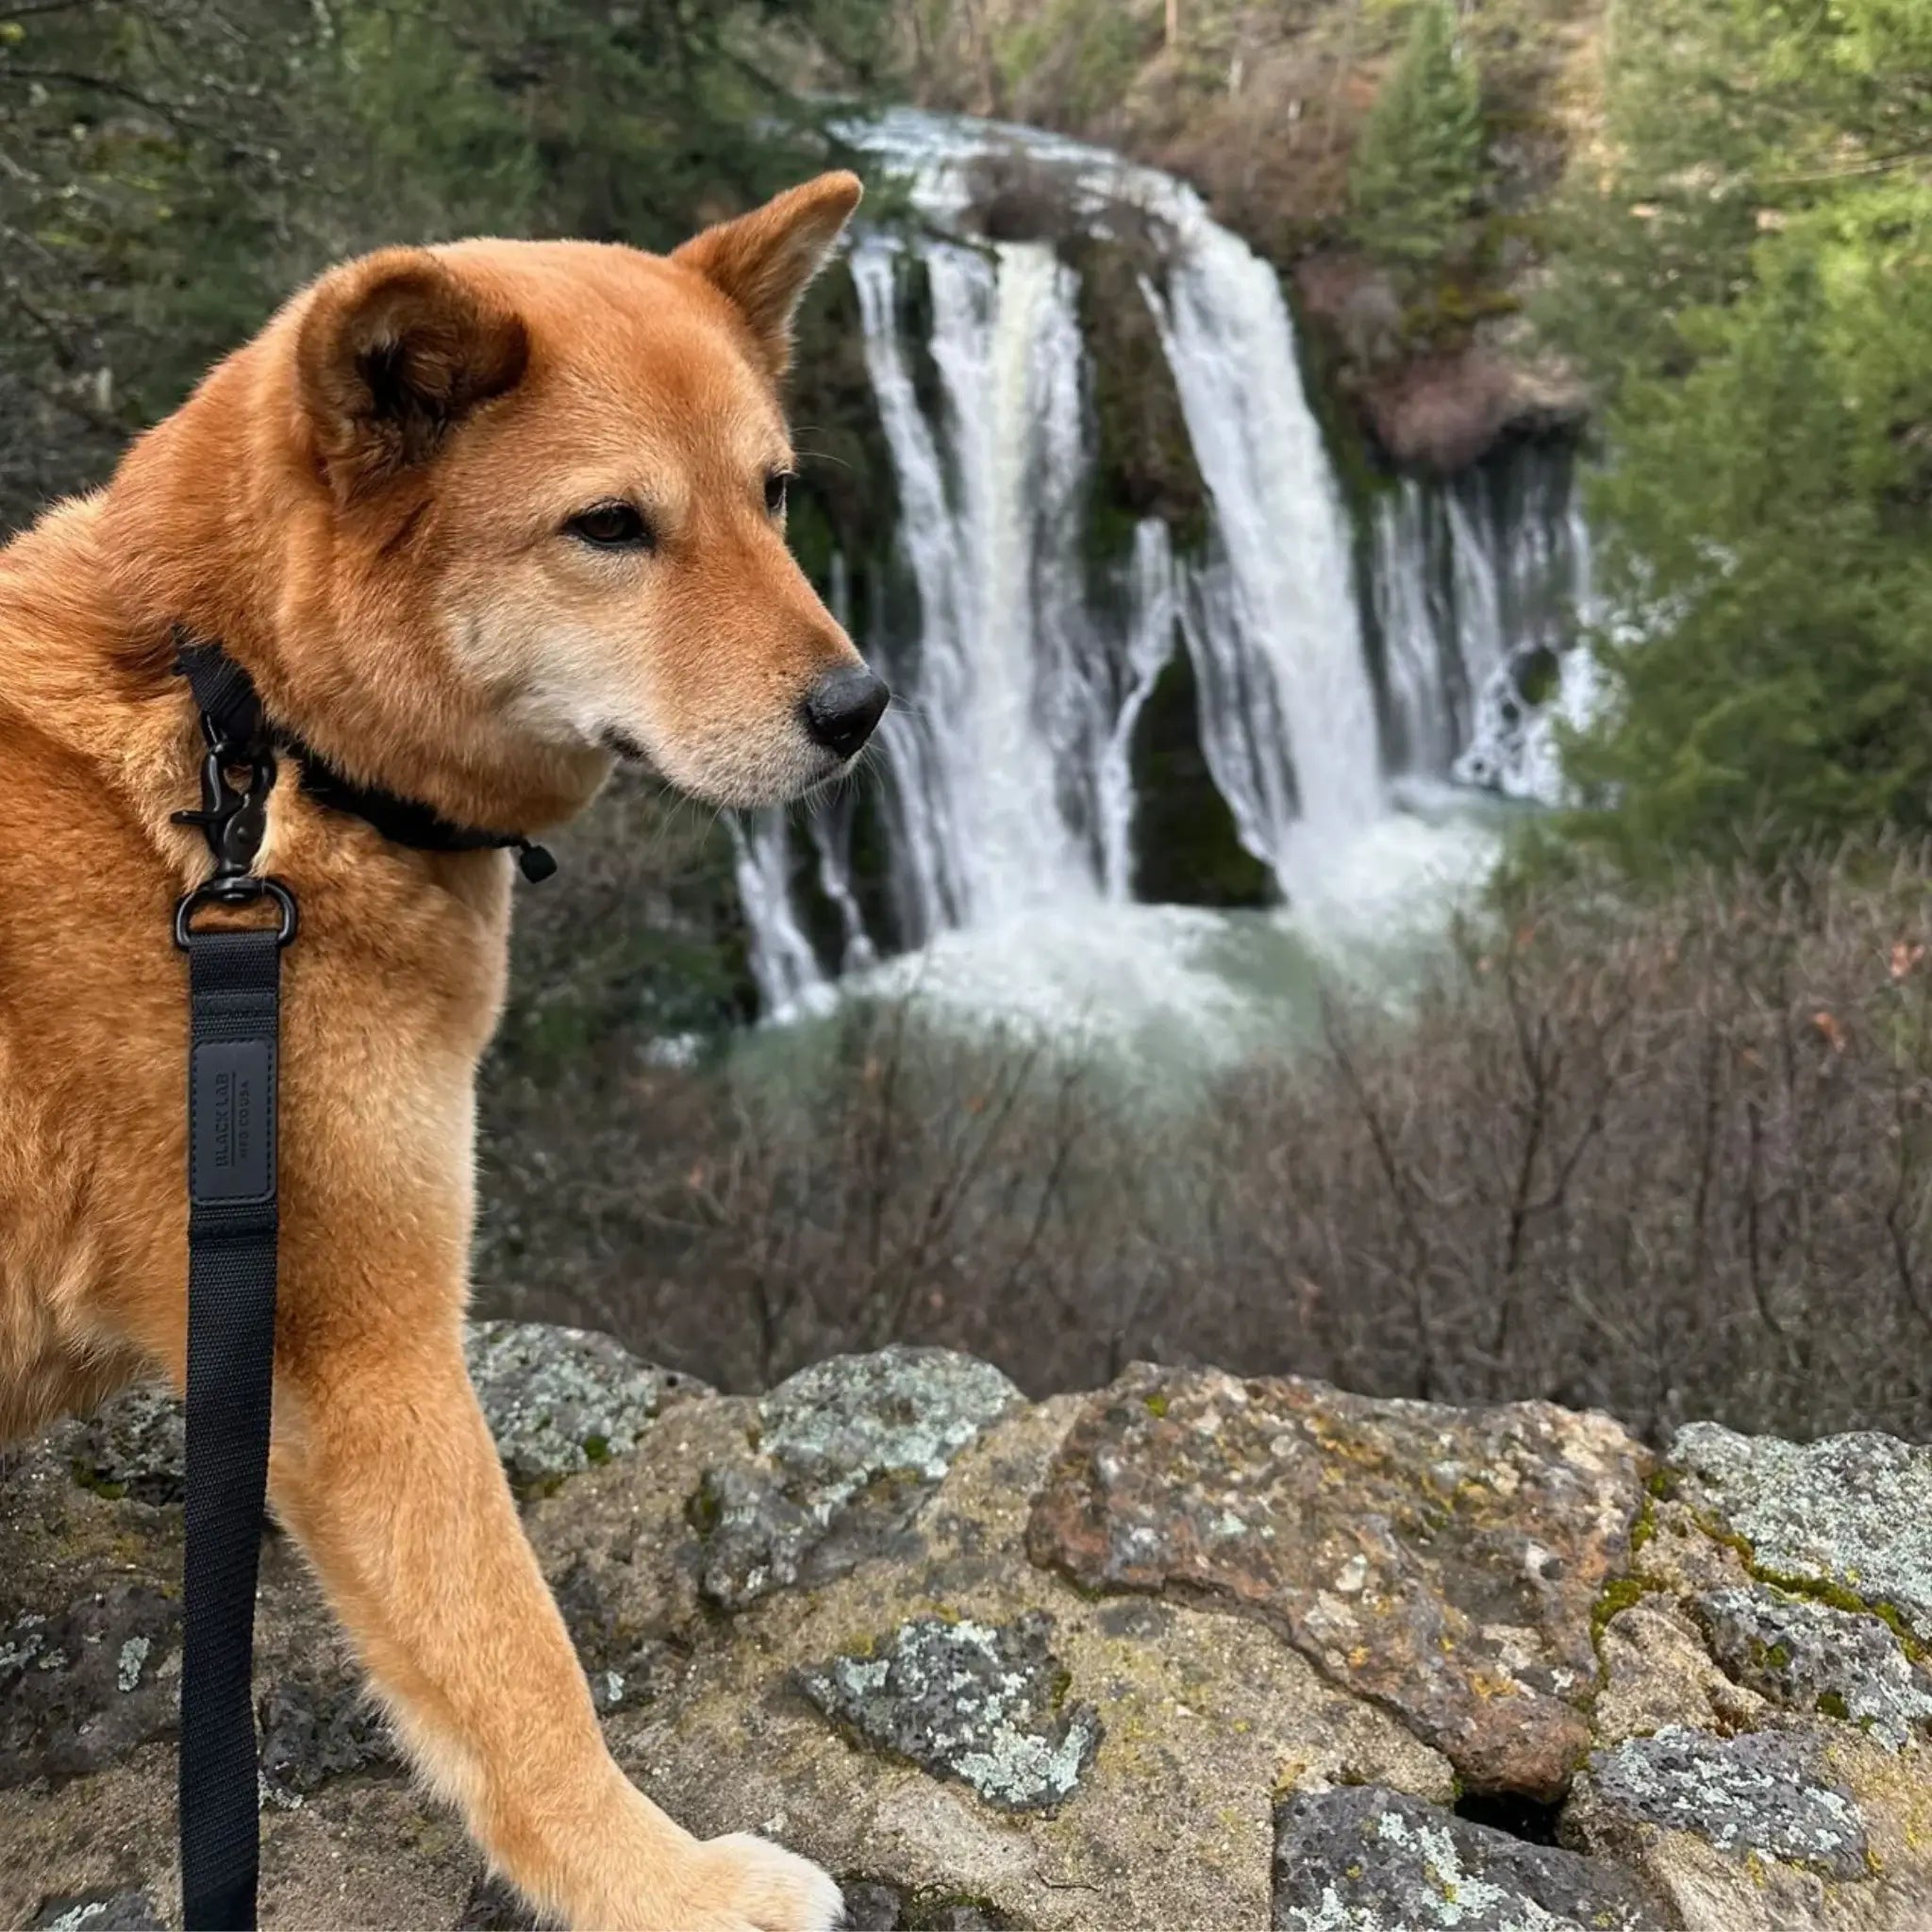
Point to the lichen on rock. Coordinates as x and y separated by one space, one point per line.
98 1911
985 1705
1206 1703
847 1451
1444 1561
84 1683
558 1401
1813 1656
135 1444
1762 1793
561 1400
1363 1860
843 1423
1847 1513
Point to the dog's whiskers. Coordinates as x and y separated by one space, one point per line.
824 456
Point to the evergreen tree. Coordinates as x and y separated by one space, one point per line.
1418 162
1750 283
173 168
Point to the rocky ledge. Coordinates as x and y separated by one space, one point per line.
1188 1651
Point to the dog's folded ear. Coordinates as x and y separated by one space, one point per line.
765 261
394 350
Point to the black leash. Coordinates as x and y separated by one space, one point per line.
234 1006
234 980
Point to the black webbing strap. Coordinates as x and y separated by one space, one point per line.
235 1011
235 989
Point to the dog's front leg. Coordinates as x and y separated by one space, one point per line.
385 1470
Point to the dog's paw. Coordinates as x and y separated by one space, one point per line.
747 1884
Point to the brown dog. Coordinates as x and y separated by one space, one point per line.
476 519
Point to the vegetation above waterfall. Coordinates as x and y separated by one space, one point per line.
1413 176
1395 156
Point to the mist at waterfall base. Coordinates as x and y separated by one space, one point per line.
1361 706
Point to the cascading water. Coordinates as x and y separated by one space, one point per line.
997 572
1153 610
1288 712
1478 587
1008 790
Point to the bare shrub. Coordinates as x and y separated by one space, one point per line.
834 1191
1669 1159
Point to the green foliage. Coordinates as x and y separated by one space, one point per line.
173 168
1085 56
1418 164
1750 283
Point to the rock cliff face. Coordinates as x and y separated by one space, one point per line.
1186 1651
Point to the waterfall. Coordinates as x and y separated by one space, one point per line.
994 549
1153 610
782 958
1478 584
1287 713
1009 800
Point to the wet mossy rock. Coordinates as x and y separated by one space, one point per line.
1145 460
1188 852
1188 1651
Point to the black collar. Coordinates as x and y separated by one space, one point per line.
228 700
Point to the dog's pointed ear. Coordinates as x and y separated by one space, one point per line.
396 350
765 261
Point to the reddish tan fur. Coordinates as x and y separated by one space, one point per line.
394 569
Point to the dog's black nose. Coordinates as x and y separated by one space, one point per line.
841 709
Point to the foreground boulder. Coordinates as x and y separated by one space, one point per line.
1188 1651
1440 1561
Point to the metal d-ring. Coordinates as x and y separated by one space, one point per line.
237 892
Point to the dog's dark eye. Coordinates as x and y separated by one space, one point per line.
612 526
776 486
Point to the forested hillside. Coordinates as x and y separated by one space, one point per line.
174 168
1746 267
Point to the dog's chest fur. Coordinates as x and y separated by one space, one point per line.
388 996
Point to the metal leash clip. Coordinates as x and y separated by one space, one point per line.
235 821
